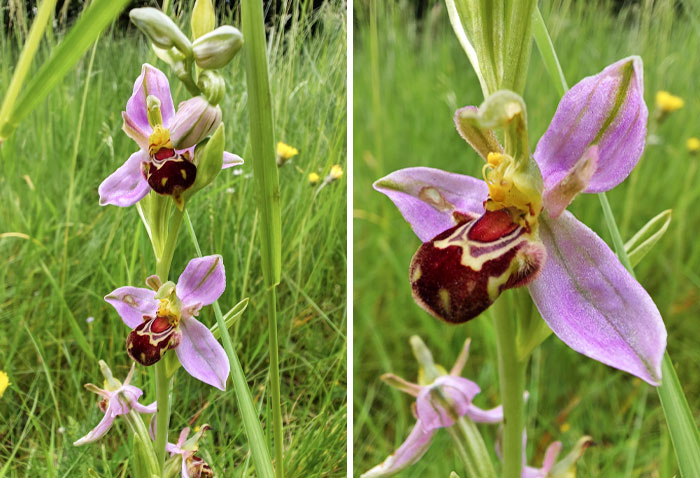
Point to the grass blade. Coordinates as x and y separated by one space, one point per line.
62 60
267 186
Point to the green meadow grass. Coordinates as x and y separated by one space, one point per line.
410 76
62 253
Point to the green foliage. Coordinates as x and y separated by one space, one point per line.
108 247
410 77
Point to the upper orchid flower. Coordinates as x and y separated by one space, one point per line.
166 140
521 234
117 399
164 318
439 403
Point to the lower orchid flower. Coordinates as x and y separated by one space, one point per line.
184 454
164 318
439 403
511 230
165 162
551 468
117 399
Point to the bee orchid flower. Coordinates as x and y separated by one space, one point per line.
512 229
117 399
439 403
164 162
165 318
191 465
551 468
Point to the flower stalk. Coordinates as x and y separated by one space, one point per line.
681 424
511 373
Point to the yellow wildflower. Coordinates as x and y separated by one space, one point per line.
336 172
285 152
693 145
668 103
314 178
4 382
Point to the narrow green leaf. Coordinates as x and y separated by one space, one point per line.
262 140
645 239
63 58
31 45
251 422
230 317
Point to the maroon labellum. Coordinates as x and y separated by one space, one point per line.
198 468
170 173
151 339
461 272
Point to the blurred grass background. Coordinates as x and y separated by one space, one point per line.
410 75
61 255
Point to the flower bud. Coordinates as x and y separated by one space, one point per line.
216 48
160 29
195 119
212 86
203 18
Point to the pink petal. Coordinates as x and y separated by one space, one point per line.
151 81
203 281
231 160
407 454
152 408
101 428
126 186
201 355
195 120
429 199
132 303
429 410
593 304
587 116
494 415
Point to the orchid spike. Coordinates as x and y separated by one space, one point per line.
441 399
117 399
164 162
165 319
483 237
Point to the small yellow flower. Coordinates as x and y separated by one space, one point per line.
4 382
336 172
668 103
285 151
693 145
314 178
565 427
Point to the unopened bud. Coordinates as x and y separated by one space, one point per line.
212 85
216 48
160 29
203 18
195 119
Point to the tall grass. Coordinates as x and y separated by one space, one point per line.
43 290
410 77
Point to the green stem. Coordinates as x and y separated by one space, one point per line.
475 448
135 423
164 384
511 373
251 422
679 418
275 379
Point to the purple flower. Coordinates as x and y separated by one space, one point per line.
438 405
475 248
117 399
165 319
164 162
191 465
